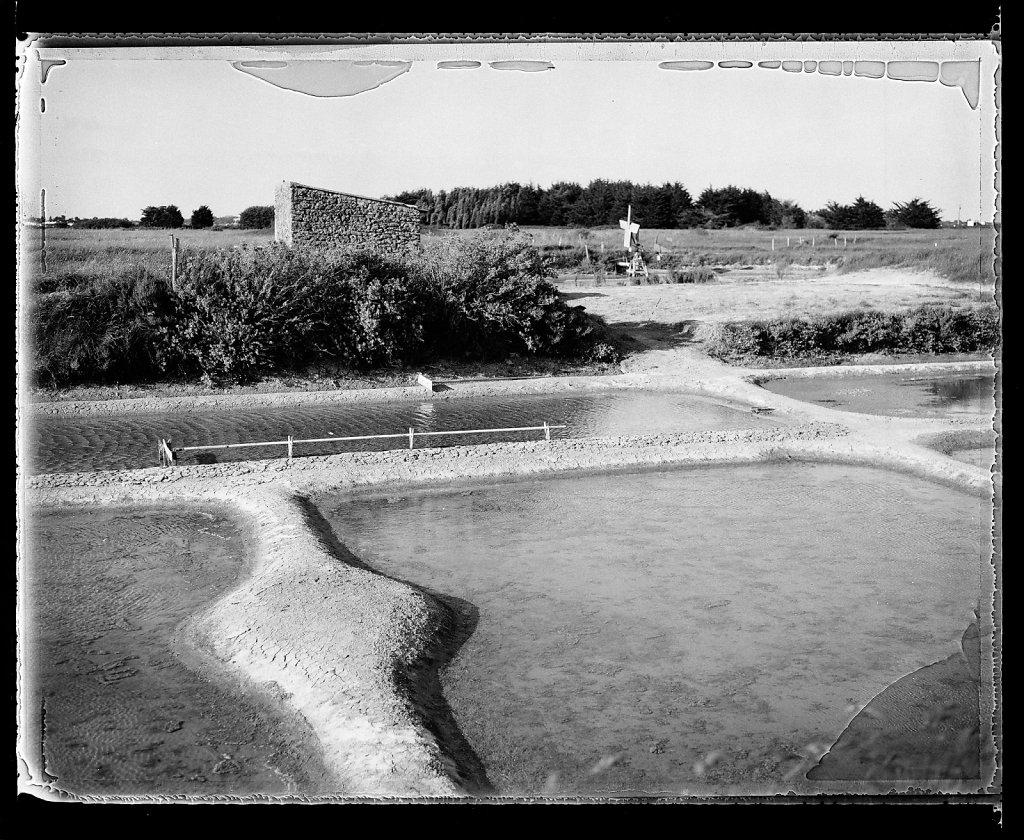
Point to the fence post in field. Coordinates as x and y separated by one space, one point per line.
174 262
787 241
773 243
547 431
289 448
812 241
410 437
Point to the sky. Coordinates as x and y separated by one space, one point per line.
120 134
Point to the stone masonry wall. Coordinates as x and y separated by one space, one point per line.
310 216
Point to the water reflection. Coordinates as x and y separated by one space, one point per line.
899 395
965 392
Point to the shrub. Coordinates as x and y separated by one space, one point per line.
699 274
104 329
927 329
490 296
256 217
242 312
867 331
238 313
563 256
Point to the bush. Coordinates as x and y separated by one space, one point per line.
700 274
239 313
563 256
103 329
490 296
249 310
927 329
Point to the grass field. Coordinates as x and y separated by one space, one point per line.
961 255
95 252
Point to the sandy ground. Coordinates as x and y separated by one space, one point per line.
356 651
747 295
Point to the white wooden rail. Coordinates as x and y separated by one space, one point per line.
168 456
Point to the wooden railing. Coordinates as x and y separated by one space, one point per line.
168 456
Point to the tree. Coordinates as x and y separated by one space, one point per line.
861 215
784 214
165 216
202 217
731 206
916 213
256 217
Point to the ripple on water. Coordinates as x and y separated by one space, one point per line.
620 629
82 444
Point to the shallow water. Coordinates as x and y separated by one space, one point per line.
82 444
622 629
118 706
979 456
895 395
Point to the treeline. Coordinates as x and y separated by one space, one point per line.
168 216
602 203
93 223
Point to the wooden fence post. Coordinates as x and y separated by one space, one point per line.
174 262
547 431
289 448
410 437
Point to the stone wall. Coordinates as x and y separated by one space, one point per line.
310 216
